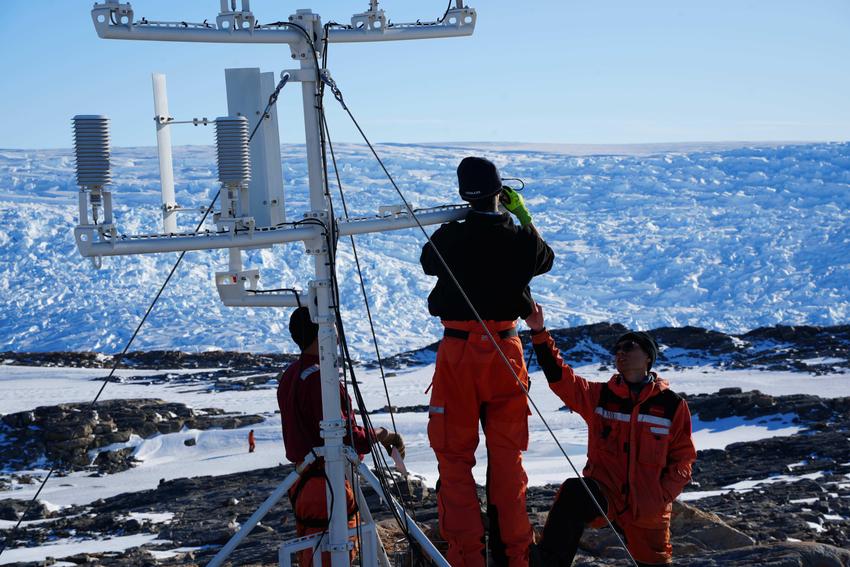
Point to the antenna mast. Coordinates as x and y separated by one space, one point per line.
251 213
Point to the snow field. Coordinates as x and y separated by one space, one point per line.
219 452
728 239
68 547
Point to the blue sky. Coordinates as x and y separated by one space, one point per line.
615 71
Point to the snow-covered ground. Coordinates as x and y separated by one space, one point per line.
220 452
68 547
724 237
728 237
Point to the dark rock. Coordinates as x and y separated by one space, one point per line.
65 433
114 461
12 510
798 349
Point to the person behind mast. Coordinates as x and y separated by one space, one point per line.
639 452
494 261
299 397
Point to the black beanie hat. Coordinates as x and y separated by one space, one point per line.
302 329
477 178
646 342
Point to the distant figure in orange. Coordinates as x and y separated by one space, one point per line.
252 443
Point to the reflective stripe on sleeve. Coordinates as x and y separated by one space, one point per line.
436 409
659 430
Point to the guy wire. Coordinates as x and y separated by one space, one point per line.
119 358
338 95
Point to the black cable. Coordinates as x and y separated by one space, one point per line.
522 183
362 283
120 357
272 101
117 362
446 13
382 468
338 95
332 240
377 456
276 290
381 465
331 490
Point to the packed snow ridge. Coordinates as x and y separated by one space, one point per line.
727 239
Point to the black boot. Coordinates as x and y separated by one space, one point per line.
540 557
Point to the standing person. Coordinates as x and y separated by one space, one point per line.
639 451
299 397
493 260
252 443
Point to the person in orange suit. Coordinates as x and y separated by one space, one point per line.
639 452
494 261
299 397
252 443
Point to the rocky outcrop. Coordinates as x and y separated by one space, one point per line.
788 554
820 446
207 510
154 359
699 530
814 350
65 434
12 510
803 493
803 348
728 402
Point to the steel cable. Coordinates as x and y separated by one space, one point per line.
338 95
120 357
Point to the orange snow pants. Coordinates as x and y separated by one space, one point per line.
309 502
472 383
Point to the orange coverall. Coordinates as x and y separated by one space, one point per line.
639 450
494 261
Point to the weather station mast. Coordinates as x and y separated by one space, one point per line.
251 212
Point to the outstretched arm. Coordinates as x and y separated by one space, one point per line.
356 435
579 394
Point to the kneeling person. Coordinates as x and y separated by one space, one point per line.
639 451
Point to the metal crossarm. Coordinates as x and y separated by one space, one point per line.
251 208
113 20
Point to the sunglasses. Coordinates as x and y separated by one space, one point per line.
625 346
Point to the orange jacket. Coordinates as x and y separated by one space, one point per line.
640 450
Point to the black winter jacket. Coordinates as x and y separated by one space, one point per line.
493 259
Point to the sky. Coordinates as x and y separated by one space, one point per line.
557 71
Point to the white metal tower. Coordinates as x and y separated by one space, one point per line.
251 212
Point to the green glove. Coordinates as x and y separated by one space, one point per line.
514 203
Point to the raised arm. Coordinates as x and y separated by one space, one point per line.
579 394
